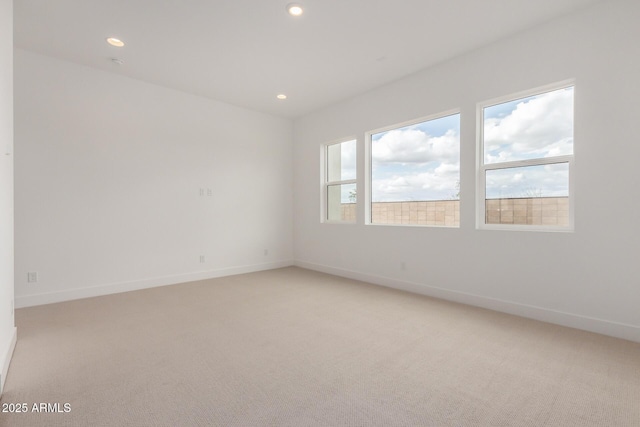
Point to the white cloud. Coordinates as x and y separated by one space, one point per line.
436 184
532 181
410 164
416 146
346 153
540 127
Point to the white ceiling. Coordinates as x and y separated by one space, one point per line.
245 52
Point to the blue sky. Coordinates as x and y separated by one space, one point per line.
417 162
422 161
539 126
531 181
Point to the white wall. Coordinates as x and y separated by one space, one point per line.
108 172
7 329
587 279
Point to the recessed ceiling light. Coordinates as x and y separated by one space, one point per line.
282 96
115 42
294 9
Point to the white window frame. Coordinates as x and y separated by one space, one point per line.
369 165
325 183
482 168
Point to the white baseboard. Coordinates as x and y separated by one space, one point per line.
6 360
591 324
114 288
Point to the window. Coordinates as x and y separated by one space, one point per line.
340 182
415 173
526 161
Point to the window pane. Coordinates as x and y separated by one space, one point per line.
341 202
536 127
530 181
341 161
531 195
415 173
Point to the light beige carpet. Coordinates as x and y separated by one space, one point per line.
291 347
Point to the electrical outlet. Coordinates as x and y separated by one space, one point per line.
32 277
403 265
201 192
201 259
209 192
266 252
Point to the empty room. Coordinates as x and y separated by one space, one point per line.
320 213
